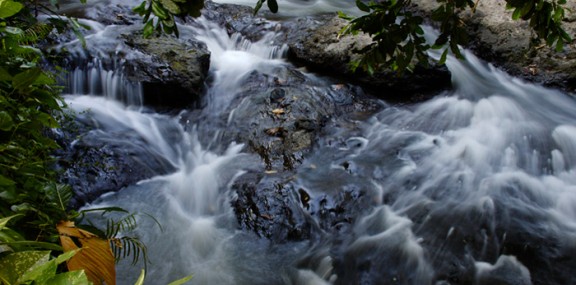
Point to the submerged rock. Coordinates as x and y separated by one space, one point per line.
93 163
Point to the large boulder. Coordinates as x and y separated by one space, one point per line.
314 43
511 45
172 71
280 117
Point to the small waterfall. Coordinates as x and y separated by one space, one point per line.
93 79
474 186
98 68
233 58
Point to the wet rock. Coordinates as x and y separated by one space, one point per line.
239 19
173 72
101 11
511 45
266 205
281 117
314 43
93 163
506 271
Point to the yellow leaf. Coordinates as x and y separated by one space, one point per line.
278 111
95 258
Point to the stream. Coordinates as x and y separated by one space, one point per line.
474 186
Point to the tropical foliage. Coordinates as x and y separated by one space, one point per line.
42 234
29 103
21 264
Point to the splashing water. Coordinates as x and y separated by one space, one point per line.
475 186
233 58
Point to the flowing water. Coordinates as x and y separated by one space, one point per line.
474 186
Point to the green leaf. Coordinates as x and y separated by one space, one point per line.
159 10
181 281
258 6
363 7
25 79
171 7
34 244
539 5
527 9
559 45
9 236
4 221
77 277
4 75
148 29
140 280
47 120
558 15
6 124
517 13
140 9
14 265
273 6
344 16
46 270
443 57
9 8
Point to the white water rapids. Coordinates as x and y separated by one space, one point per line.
456 180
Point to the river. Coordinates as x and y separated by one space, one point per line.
474 186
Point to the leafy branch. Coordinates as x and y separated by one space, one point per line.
159 15
397 34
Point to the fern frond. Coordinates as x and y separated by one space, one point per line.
125 224
35 33
126 246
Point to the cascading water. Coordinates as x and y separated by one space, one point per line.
474 186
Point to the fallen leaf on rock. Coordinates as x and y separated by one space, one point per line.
278 111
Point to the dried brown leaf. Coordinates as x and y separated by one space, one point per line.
95 258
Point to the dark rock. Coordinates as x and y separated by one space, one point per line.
173 74
93 163
314 43
281 117
171 71
266 205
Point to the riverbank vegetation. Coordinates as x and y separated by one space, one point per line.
37 229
